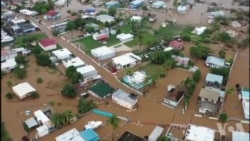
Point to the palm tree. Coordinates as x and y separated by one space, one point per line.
154 78
114 121
68 114
145 83
58 120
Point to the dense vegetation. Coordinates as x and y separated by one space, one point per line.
4 134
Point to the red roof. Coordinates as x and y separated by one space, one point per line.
51 13
103 36
176 44
47 42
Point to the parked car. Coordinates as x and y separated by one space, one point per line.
153 18
84 95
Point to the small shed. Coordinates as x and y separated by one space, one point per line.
103 53
41 117
136 18
105 18
88 71
182 9
22 90
27 28
47 44
125 37
31 122
62 54
240 136
52 15
158 4
90 135
42 131
101 90
102 36
8 65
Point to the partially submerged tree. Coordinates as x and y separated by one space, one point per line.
114 121
69 91
223 117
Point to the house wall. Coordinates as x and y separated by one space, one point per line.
97 96
29 30
48 48
170 102
122 103
8 69
210 65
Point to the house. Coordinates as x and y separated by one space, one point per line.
27 12
88 72
47 44
105 18
124 99
52 15
8 53
220 91
125 37
27 28
155 134
137 80
42 118
214 80
199 133
136 3
215 62
16 21
245 102
111 4
101 90
8 65
70 135
126 61
31 122
158 4
177 44
22 90
76 62
42 131
127 136
15 29
136 19
101 37
181 60
62 54
208 100
89 135
174 95
103 53
240 136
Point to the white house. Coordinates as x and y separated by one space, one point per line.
70 135
136 18
125 37
27 12
76 62
208 100
105 18
199 133
12 53
103 53
22 90
123 99
42 131
42 118
18 21
62 54
155 134
88 72
8 65
126 61
47 44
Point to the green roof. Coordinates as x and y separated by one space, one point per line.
101 89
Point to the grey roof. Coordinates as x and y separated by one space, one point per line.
222 93
208 105
120 94
209 94
15 27
240 136
31 122
26 26
215 60
214 78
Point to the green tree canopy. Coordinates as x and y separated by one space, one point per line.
43 60
112 11
21 73
223 117
85 105
199 51
20 59
197 76
158 57
69 91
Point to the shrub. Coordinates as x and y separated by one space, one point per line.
34 95
223 117
20 72
222 54
186 38
197 76
10 95
39 80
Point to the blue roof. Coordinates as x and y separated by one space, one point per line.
89 135
214 78
215 60
245 94
240 136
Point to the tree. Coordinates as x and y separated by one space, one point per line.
90 29
20 59
70 26
224 37
58 120
222 54
34 95
69 91
79 22
158 58
197 76
20 72
154 78
163 138
73 75
68 114
112 11
114 121
70 71
229 91
85 105
10 95
39 80
189 85
223 117
199 51
43 60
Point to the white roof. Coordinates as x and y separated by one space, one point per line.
17 21
168 49
199 133
41 128
31 122
22 89
122 95
40 116
214 78
156 133
126 59
8 63
28 12
123 36
76 62
240 136
136 18
85 69
105 18
62 53
245 105
138 77
102 50
71 135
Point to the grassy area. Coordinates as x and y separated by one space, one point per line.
145 38
151 69
4 134
21 41
89 43
126 28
